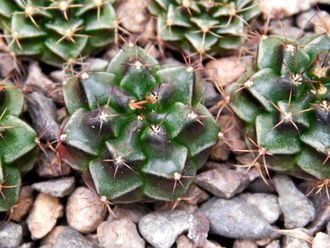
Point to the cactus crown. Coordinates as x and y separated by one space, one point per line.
285 104
17 145
206 26
57 31
137 127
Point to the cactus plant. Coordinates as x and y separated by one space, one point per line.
285 104
205 26
17 145
57 31
138 128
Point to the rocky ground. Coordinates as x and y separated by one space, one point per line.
227 206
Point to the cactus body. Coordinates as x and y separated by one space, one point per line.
138 128
204 26
17 145
57 31
285 104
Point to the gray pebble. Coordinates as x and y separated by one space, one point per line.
57 187
235 218
11 235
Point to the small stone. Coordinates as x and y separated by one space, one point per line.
266 203
11 235
84 210
211 97
263 242
27 245
52 236
259 186
225 70
50 165
244 244
328 227
70 238
43 114
37 81
222 181
290 242
274 244
297 209
161 228
44 214
57 187
284 27
23 204
133 14
321 240
235 218
281 8
195 195
199 228
183 242
8 65
121 233
134 212
305 20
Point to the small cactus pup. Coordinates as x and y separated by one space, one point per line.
17 145
285 104
57 31
204 26
138 128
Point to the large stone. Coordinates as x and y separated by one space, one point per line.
235 218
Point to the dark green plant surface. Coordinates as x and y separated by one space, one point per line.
138 128
17 145
204 26
285 104
57 31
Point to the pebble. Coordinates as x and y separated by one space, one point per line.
70 238
52 236
297 209
11 235
266 203
259 186
241 243
37 81
121 233
321 240
134 212
222 181
225 70
42 111
328 228
27 245
8 65
49 165
23 204
291 242
199 229
161 228
183 242
84 210
281 8
274 244
44 214
235 218
305 19
210 96
57 187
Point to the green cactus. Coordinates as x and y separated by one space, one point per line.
285 104
205 26
17 145
57 31
138 128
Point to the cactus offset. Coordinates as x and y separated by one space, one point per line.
57 31
17 145
285 104
205 26
138 128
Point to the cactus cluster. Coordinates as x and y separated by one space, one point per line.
285 104
17 145
57 31
137 128
204 26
